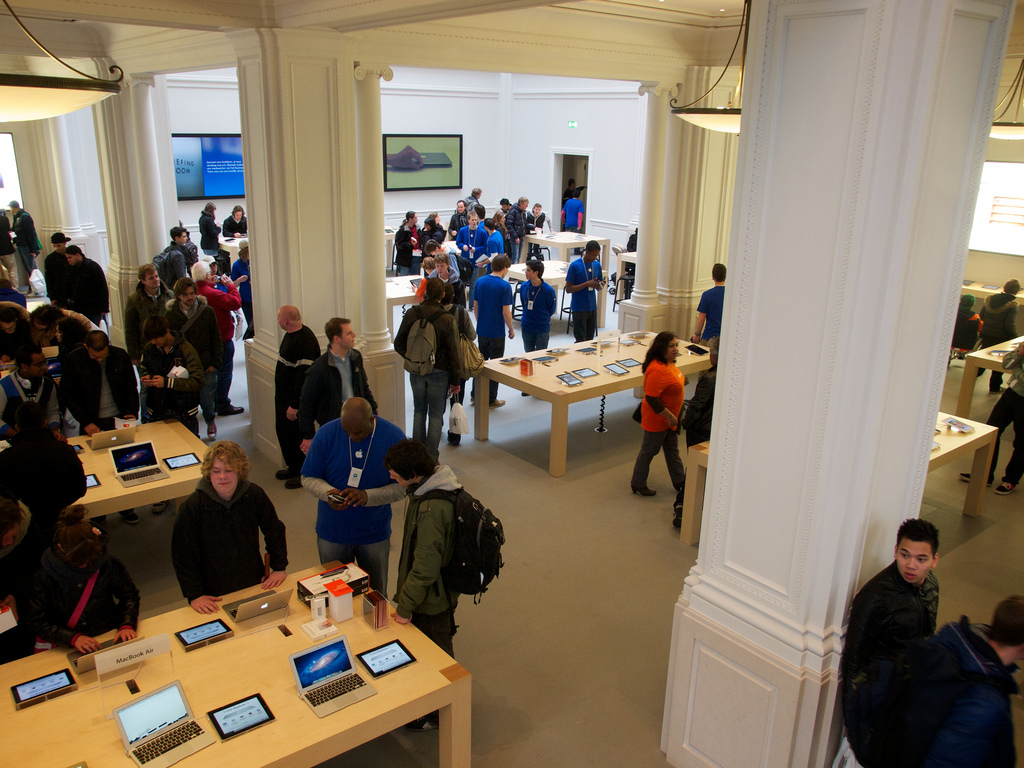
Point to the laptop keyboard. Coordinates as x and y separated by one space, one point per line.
335 689
168 741
141 473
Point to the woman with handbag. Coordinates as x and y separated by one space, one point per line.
659 414
467 335
80 591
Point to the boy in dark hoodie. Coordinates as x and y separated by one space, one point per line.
999 318
967 327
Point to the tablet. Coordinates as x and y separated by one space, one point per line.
585 373
91 481
569 380
43 688
204 634
992 287
386 658
695 350
545 359
240 716
629 362
617 369
184 460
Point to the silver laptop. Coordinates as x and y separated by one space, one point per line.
85 662
259 606
110 438
326 676
136 464
159 729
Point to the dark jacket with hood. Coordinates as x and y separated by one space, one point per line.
82 384
966 329
215 547
209 232
321 398
697 418
203 334
87 290
232 228
18 565
978 732
999 318
113 604
43 472
139 308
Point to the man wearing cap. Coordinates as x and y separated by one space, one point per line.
55 268
26 243
86 286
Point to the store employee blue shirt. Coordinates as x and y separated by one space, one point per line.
538 318
331 457
491 293
579 273
711 302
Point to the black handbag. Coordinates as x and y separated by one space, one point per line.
637 415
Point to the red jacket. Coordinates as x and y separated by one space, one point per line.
223 305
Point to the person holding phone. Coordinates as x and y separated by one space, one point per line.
660 412
583 280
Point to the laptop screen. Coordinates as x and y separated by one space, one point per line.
129 457
156 712
322 662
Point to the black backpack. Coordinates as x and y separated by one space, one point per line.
476 558
160 262
465 268
896 707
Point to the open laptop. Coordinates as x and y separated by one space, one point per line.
136 464
159 729
326 676
85 662
110 438
258 606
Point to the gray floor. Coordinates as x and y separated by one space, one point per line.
569 648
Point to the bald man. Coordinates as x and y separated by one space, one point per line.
299 348
345 471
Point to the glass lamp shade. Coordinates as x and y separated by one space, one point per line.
726 120
1011 131
32 97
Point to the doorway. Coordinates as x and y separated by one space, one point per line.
566 166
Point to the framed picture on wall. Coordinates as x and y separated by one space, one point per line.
422 161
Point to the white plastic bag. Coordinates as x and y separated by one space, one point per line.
38 282
458 421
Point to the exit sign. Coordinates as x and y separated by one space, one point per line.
572 123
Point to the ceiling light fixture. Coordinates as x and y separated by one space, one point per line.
724 119
34 97
1012 130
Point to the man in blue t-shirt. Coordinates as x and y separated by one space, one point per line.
346 458
492 305
538 307
572 212
583 280
472 243
709 310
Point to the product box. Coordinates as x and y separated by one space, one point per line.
526 367
318 586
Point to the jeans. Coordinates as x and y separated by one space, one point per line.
490 349
584 325
429 392
534 341
654 442
411 270
211 251
224 374
372 558
207 395
440 628
1008 410
26 263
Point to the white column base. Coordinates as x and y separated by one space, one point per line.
386 373
639 317
718 680
260 364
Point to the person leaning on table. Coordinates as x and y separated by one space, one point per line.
215 547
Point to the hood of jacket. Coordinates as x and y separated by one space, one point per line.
141 295
172 303
59 569
206 487
443 479
205 214
1000 302
969 645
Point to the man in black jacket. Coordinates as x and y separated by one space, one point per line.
55 269
299 348
26 242
898 605
87 291
515 223
999 324
332 379
98 384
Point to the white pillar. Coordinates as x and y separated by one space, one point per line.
67 198
858 168
643 309
153 227
383 364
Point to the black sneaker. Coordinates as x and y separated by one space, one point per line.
426 723
129 516
231 410
293 482
1005 488
158 508
284 474
966 477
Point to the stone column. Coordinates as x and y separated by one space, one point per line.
383 364
153 227
643 309
859 162
70 218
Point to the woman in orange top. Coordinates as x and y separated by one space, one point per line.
660 412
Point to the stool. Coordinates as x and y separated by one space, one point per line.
565 310
693 494
623 289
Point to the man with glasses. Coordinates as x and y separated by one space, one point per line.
29 384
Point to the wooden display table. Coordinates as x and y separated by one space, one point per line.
983 358
170 438
562 244
399 292
544 385
72 728
389 245
232 246
554 275
980 290
952 445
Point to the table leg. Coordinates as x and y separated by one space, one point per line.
693 499
483 412
963 400
454 742
559 438
979 477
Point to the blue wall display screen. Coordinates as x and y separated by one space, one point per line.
208 166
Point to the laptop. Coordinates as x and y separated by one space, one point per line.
257 606
110 438
159 729
137 463
86 662
326 676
